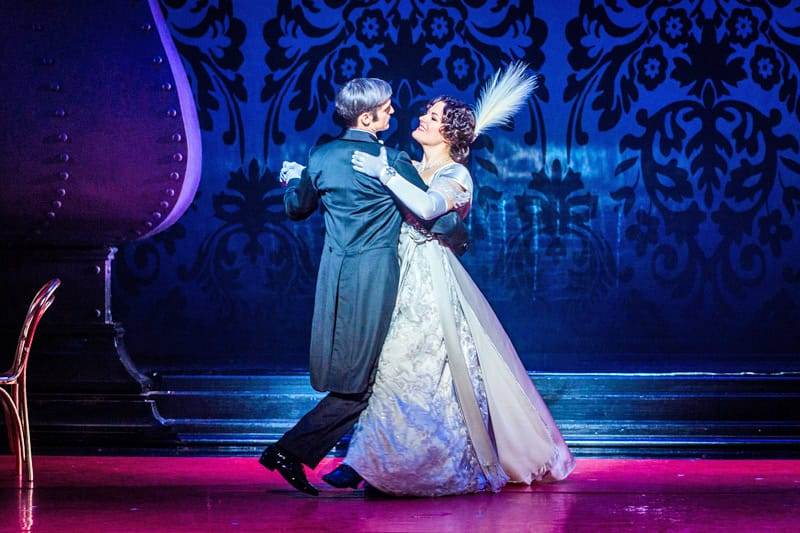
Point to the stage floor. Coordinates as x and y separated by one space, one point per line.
103 494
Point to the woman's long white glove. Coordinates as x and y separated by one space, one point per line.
371 165
426 205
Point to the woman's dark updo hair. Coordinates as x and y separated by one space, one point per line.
458 126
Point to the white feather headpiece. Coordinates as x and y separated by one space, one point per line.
503 95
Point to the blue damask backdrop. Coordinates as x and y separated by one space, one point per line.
641 214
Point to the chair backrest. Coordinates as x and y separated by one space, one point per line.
41 302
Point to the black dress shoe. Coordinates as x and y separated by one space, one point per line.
287 466
343 477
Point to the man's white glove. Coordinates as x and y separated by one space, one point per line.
290 171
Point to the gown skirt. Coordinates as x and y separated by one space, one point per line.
452 409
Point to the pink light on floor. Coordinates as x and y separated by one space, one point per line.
236 494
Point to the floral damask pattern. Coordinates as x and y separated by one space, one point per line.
251 210
705 156
438 27
614 59
765 68
209 39
139 264
556 212
423 48
416 45
700 133
699 97
651 67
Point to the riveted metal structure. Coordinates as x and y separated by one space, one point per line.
99 144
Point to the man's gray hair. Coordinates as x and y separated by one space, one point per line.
361 95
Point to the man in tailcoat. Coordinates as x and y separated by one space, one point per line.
357 281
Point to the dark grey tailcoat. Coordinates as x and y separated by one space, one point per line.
359 270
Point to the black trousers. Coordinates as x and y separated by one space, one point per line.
321 428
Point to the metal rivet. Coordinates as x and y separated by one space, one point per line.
98 313
97 269
60 112
170 192
172 113
56 204
157 60
62 192
64 175
146 27
63 137
64 157
177 157
148 224
51 214
157 215
175 176
54 86
177 137
164 204
166 86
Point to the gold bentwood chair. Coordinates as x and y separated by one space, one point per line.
13 392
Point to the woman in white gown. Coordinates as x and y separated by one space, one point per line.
453 409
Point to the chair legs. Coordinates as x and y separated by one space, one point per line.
19 444
25 432
11 428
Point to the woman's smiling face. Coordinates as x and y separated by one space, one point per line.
428 132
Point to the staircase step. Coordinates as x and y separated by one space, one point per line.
601 414
547 383
690 406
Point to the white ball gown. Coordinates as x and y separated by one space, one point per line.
453 409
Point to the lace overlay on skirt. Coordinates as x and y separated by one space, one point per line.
412 438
